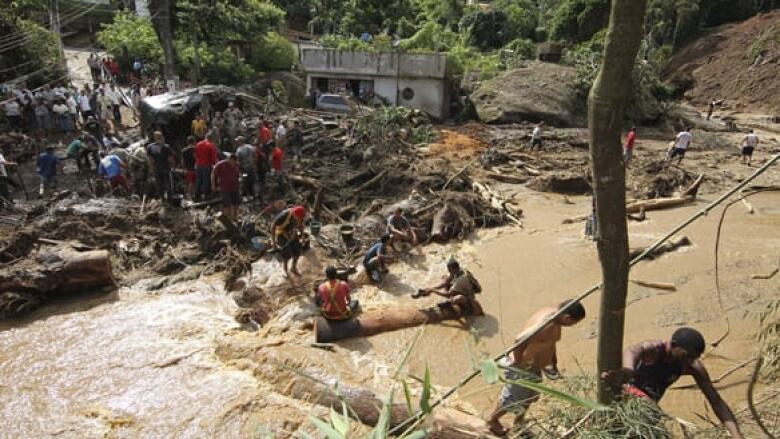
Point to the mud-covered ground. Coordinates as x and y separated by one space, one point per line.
170 359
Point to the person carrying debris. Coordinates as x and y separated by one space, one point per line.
536 136
459 287
47 169
749 144
628 149
680 145
400 229
651 367
226 176
333 297
80 150
528 360
205 159
111 167
161 161
375 260
285 232
247 161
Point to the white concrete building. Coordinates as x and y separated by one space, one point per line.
420 81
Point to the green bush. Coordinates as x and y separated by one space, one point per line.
486 30
218 65
35 59
134 33
431 37
576 21
687 26
272 52
522 17
522 49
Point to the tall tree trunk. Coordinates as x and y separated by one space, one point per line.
606 105
161 20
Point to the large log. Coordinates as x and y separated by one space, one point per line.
687 197
64 271
666 247
376 322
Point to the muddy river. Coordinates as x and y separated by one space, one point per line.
145 364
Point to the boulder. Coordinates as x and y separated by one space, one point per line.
537 92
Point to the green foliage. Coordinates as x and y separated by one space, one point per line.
225 22
298 12
431 37
272 52
687 25
522 17
134 33
768 37
576 21
30 54
446 13
522 49
339 42
486 30
218 64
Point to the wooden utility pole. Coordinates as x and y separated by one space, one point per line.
161 19
606 105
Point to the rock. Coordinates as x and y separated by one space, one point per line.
562 184
519 95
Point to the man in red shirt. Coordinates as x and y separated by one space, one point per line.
226 175
629 147
205 158
277 159
333 297
263 133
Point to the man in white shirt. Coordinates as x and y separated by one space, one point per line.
13 112
113 95
536 136
680 145
61 116
4 179
281 135
749 144
84 107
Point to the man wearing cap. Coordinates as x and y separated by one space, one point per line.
459 287
333 297
651 367
285 233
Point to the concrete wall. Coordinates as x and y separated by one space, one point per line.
425 74
374 64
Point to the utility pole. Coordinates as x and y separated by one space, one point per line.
161 19
197 59
56 30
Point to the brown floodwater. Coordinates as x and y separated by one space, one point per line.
144 364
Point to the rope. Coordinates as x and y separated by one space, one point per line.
704 211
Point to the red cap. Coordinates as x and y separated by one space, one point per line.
299 212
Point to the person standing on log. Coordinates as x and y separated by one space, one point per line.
375 260
680 145
459 287
226 175
400 229
628 150
205 159
749 144
285 234
651 367
531 358
333 297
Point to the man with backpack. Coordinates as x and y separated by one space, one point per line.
459 287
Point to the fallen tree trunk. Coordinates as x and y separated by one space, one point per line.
669 246
687 197
376 322
498 203
64 271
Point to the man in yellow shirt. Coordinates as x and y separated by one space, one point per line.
199 127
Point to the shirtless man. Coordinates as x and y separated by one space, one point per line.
528 360
651 367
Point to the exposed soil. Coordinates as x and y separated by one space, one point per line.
739 63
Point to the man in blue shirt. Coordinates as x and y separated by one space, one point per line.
111 169
375 259
47 169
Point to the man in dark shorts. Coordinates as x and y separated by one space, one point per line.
161 160
680 145
400 229
226 175
749 144
375 259
651 367
285 232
